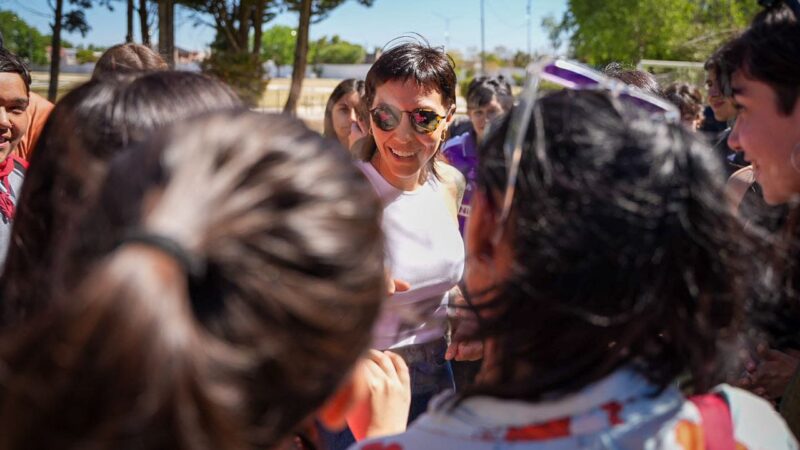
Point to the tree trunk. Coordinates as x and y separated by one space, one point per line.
258 26
55 51
166 31
244 24
129 34
144 23
300 56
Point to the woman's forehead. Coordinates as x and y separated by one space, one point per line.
408 95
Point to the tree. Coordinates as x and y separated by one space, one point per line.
22 39
129 21
630 30
166 31
71 21
278 44
144 22
86 55
307 9
336 51
520 59
236 50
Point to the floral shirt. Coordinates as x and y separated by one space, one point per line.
622 411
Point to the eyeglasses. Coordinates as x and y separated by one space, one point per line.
423 120
794 5
570 75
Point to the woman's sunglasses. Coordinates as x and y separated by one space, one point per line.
423 120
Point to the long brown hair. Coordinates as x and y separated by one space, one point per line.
243 310
88 126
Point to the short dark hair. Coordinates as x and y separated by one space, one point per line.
483 89
768 51
11 63
345 87
639 78
427 66
624 255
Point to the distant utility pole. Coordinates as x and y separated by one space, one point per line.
483 43
446 29
528 16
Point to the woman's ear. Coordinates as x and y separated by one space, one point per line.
451 114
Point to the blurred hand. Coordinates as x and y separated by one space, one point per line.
395 285
464 345
385 411
769 376
356 132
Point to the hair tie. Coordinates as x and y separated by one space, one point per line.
207 285
193 266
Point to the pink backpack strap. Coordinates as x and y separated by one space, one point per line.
717 421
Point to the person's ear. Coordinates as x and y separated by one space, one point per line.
451 114
480 227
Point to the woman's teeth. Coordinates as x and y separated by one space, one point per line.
402 154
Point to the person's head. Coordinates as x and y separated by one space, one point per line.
764 68
15 84
88 126
618 251
689 101
721 104
344 108
639 78
487 98
128 58
218 316
410 92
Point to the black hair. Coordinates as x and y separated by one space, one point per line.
427 66
483 89
11 63
625 254
768 51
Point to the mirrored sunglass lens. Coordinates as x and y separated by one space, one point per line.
425 119
384 118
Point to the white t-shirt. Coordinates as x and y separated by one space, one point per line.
424 248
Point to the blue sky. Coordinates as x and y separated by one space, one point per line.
456 21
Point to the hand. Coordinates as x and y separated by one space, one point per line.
771 374
464 343
356 133
395 285
385 411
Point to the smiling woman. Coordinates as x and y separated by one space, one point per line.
410 92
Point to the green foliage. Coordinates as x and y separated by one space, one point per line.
243 71
86 55
630 30
336 51
22 39
520 59
277 44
